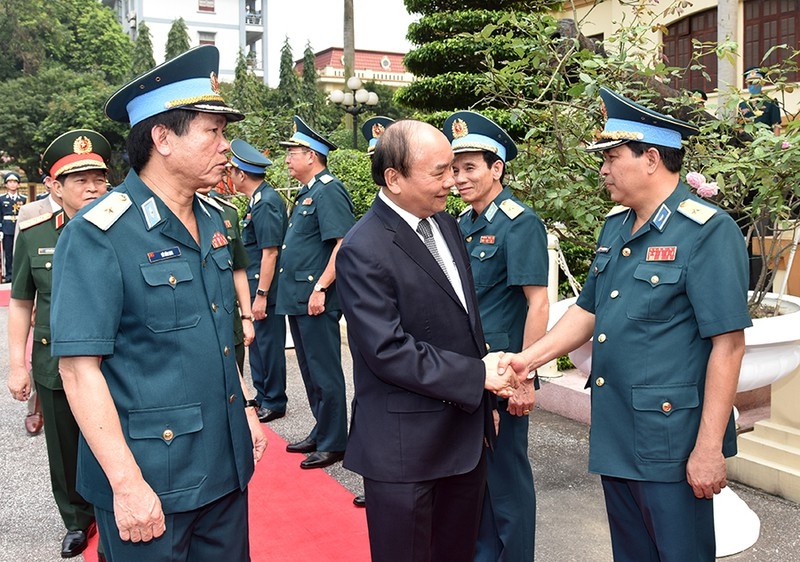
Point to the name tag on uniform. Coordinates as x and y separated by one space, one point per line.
487 239
218 240
161 255
661 253
46 251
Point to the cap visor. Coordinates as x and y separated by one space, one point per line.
599 146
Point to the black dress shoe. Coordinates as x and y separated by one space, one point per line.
321 459
76 542
360 501
266 415
307 445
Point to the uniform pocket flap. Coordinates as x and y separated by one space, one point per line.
223 258
169 274
483 252
665 398
600 263
496 341
408 402
307 276
657 274
165 423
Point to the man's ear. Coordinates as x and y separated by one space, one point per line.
160 136
653 159
392 177
56 188
497 169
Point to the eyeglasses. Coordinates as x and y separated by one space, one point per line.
292 153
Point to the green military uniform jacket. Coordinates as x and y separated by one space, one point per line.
507 245
33 280
658 297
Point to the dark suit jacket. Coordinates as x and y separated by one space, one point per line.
420 411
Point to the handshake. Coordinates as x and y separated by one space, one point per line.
504 371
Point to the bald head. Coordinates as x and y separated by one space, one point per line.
400 146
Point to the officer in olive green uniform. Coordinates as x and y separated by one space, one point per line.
70 154
230 216
507 244
322 215
263 229
142 321
666 303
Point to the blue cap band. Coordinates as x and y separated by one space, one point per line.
311 143
171 96
479 143
622 129
246 166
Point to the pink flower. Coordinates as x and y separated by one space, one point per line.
708 189
785 145
695 179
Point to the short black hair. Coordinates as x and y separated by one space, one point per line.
671 157
490 158
140 143
392 151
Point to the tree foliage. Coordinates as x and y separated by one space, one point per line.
177 39
142 59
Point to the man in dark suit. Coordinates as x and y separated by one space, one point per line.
421 414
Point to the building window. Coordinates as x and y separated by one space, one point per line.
768 23
679 51
205 5
206 38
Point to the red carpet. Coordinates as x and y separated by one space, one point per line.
297 514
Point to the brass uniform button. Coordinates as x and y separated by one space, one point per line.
654 279
600 381
168 435
48 265
283 247
666 407
469 238
310 277
258 275
226 351
172 280
488 347
483 254
280 270
214 306
626 252
601 338
44 341
232 398
305 212
614 294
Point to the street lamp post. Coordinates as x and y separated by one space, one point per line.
354 102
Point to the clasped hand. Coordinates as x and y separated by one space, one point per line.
501 381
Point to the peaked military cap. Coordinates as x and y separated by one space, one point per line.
629 121
468 131
247 158
374 128
305 136
753 73
189 81
10 176
76 151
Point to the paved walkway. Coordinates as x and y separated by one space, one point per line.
571 521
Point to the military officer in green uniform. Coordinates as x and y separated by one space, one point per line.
322 215
507 244
759 107
243 329
77 161
10 203
666 303
263 229
142 321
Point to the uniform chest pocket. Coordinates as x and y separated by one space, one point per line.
665 417
248 232
487 266
42 272
305 218
654 294
169 301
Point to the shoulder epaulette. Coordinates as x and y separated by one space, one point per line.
109 210
617 209
256 198
511 208
223 201
209 200
696 211
326 178
33 221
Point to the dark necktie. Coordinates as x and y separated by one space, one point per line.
424 228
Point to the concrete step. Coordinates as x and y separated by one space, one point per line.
778 433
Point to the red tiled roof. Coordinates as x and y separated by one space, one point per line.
364 60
